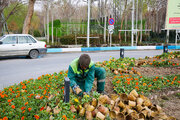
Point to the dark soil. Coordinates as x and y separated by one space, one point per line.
157 71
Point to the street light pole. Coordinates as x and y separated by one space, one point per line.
132 33
88 26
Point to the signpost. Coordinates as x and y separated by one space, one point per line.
111 28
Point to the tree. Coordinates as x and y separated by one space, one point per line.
3 5
27 21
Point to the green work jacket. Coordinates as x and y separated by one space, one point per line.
83 78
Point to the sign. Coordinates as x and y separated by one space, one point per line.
173 14
111 21
111 31
110 27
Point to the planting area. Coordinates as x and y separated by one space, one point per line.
143 89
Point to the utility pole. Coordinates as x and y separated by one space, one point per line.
48 21
52 28
132 33
136 21
88 26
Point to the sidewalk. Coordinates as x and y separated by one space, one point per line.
57 50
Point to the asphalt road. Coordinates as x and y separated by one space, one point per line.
16 69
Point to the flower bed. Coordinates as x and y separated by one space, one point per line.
42 98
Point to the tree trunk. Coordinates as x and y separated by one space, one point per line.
27 21
1 24
122 20
105 19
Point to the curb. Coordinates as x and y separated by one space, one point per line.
57 50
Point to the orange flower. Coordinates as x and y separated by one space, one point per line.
118 81
63 87
13 106
175 78
29 109
9 103
136 83
22 118
42 108
64 116
115 77
22 108
26 103
36 116
128 83
2 96
137 87
149 85
40 87
144 84
44 92
135 78
24 87
167 80
177 64
5 118
9 100
41 97
172 82
23 111
73 116
10 89
140 76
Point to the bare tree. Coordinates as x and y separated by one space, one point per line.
27 21
3 5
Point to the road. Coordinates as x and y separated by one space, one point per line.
16 69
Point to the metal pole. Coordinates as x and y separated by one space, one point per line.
48 22
167 37
136 22
132 33
66 90
122 53
88 27
176 37
110 39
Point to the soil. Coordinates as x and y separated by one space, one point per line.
167 99
158 71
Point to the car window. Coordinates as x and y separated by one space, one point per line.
10 40
22 40
31 40
2 37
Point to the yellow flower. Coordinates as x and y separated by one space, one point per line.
80 106
76 100
86 95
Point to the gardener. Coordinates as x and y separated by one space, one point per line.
82 72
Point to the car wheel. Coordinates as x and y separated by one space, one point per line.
33 54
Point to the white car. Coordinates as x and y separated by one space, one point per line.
21 45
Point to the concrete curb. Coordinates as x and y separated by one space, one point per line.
57 50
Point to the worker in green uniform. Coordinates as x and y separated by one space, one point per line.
82 72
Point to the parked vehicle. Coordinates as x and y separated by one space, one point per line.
21 45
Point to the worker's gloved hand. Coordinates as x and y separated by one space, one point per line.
76 89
